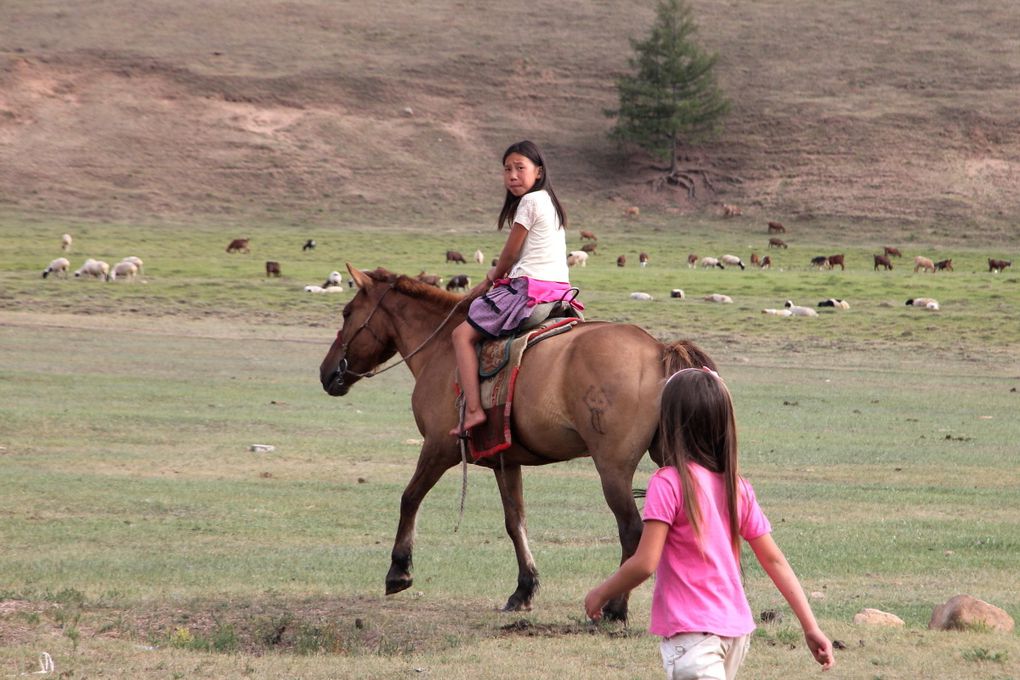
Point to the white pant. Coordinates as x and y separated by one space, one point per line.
703 656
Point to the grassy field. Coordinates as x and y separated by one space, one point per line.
143 539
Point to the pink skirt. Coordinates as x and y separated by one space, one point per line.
501 311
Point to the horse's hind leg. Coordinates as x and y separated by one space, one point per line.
511 490
616 486
431 466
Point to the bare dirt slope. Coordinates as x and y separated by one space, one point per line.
308 111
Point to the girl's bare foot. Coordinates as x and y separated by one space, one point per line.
471 419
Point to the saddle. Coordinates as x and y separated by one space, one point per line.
498 364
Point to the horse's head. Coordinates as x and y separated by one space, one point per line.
366 338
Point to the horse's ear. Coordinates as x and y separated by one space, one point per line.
361 280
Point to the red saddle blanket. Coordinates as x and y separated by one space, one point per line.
498 364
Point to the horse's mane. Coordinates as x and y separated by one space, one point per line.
414 288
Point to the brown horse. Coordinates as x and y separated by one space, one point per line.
591 392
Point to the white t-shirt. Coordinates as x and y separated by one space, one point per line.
544 255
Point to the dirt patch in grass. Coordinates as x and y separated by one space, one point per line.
343 626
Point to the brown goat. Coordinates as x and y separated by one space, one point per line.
776 228
882 261
454 256
239 245
833 260
272 269
889 251
777 243
588 236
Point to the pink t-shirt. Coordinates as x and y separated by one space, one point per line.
699 591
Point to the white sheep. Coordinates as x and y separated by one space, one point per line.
123 270
479 256
777 312
65 242
732 260
640 296
835 303
677 293
137 261
57 267
718 297
797 310
93 269
320 289
334 280
709 262
577 257
931 304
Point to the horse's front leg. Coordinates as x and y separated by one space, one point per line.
511 490
433 461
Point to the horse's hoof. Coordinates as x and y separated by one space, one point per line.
395 585
516 607
614 615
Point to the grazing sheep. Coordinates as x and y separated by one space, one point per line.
459 281
321 289
633 212
93 269
923 263
766 262
692 261
729 210
479 257
998 265
710 262
137 262
944 265
430 279
239 245
931 304
643 259
454 256
677 293
59 266
732 260
777 243
889 251
621 261
718 297
776 228
777 312
640 296
833 260
65 242
755 260
835 303
819 261
589 248
272 268
588 236
309 245
797 310
123 270
334 280
882 261
577 257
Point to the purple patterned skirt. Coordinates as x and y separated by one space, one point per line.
500 312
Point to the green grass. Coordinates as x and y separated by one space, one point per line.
142 538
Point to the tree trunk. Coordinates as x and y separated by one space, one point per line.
674 164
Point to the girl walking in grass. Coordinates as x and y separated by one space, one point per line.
532 268
697 508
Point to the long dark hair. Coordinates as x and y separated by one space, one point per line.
697 425
529 150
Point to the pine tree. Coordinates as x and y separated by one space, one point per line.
672 96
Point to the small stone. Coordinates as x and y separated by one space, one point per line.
262 448
876 617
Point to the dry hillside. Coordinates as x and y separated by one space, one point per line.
333 111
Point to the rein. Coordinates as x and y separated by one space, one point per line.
344 367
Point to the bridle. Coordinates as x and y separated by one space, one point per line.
344 366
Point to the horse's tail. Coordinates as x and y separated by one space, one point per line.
676 356
684 354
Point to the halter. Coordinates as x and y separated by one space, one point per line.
344 366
